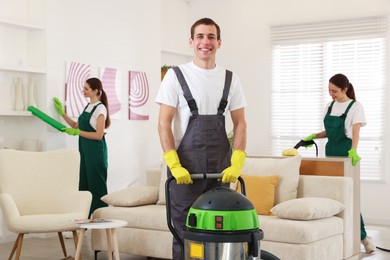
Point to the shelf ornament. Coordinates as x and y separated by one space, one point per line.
19 103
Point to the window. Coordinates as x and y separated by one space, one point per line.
304 57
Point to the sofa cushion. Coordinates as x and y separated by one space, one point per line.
163 178
260 190
297 231
143 217
287 168
308 208
132 196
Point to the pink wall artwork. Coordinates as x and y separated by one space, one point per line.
76 75
111 80
138 95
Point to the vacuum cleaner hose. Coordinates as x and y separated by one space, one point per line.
268 256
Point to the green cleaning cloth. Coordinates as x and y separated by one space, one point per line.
51 121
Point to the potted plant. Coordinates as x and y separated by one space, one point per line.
164 70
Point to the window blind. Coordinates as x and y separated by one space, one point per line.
304 57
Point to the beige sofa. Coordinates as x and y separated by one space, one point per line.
308 229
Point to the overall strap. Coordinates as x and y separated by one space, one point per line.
224 100
349 107
344 115
93 109
86 106
187 93
330 108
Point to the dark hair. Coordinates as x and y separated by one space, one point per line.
95 83
205 21
342 82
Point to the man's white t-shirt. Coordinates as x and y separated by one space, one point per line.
355 114
206 86
100 110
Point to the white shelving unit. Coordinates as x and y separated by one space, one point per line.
172 57
22 55
15 113
16 68
172 52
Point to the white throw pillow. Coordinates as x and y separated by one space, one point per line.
308 208
287 168
161 192
133 196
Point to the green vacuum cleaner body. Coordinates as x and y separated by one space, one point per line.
222 224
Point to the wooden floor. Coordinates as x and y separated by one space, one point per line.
50 249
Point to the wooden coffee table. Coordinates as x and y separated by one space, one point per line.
110 225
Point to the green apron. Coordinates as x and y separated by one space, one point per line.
339 144
93 162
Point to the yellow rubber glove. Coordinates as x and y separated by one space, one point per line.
354 156
231 173
181 174
58 106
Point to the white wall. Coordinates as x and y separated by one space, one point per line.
246 50
118 34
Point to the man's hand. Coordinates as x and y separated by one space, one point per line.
71 131
231 173
354 156
181 174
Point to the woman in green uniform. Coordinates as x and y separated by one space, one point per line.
344 116
92 144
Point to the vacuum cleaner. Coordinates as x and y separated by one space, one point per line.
294 151
306 143
222 224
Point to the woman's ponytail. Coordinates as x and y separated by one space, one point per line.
104 100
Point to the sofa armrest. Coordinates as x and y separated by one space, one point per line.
337 188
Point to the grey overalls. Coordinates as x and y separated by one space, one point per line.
203 149
93 162
339 144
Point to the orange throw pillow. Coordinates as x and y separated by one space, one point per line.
260 190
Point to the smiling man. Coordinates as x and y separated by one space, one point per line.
193 99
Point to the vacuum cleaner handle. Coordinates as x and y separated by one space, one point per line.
303 143
306 143
169 218
198 176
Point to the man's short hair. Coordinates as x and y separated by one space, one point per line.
205 21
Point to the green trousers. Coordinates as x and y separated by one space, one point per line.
363 233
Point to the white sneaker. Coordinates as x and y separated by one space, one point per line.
368 245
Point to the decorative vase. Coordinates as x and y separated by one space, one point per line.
31 94
19 104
